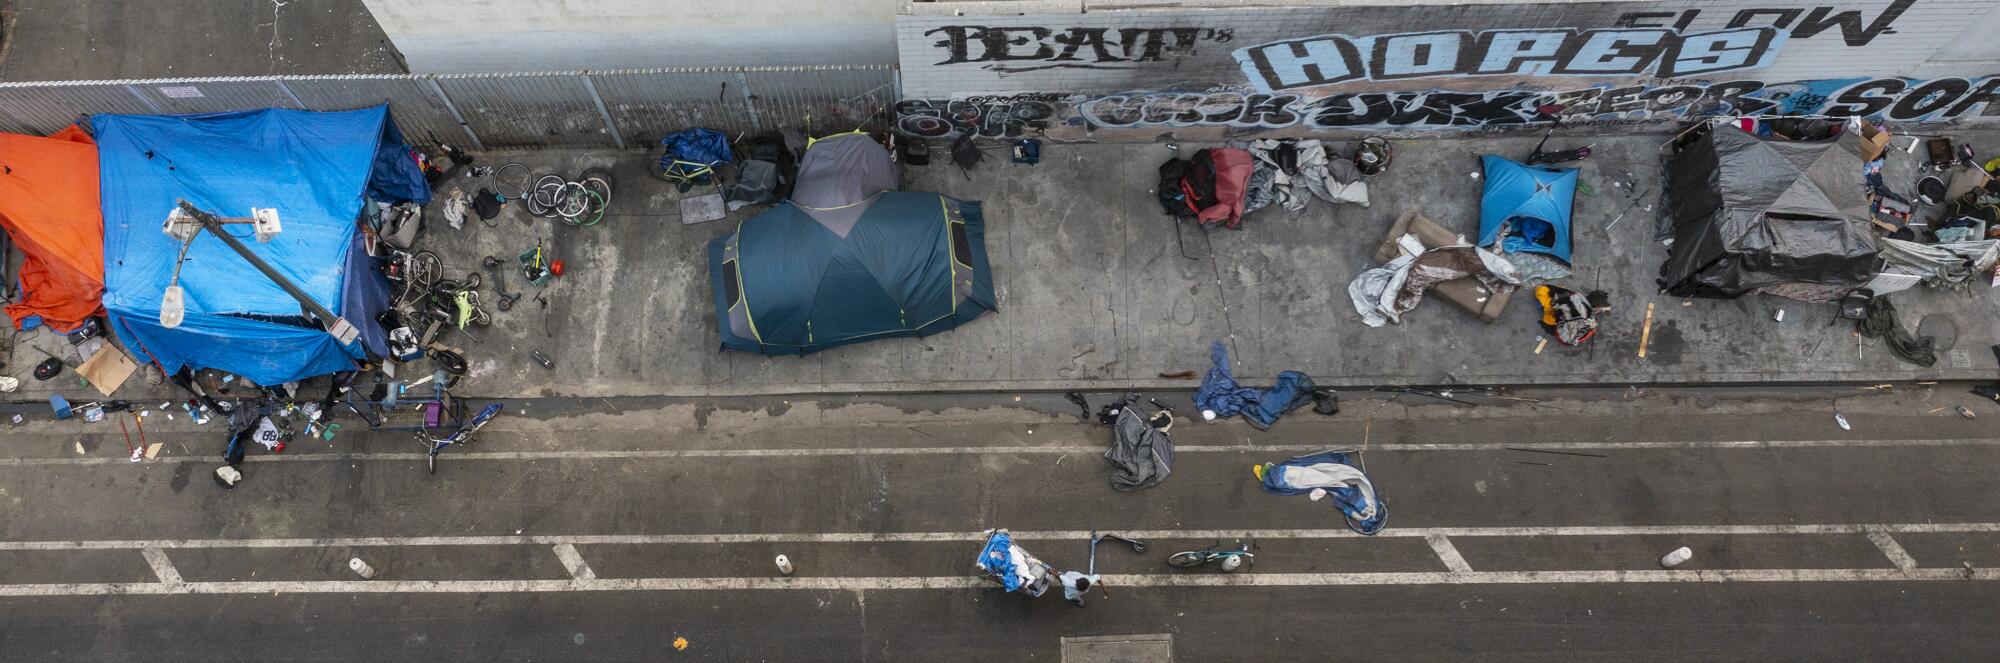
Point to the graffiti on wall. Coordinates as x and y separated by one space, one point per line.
1033 48
1329 59
988 116
1890 98
1482 65
1630 49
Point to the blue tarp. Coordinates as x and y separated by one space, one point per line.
313 167
997 558
1530 203
707 147
1220 394
1336 473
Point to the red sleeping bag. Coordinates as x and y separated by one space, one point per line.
1216 180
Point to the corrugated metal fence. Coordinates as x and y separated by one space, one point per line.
625 108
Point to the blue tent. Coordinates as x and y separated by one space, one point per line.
1530 205
796 280
314 168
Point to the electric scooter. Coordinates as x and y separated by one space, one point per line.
1549 158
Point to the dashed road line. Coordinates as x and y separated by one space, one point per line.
1890 548
971 582
574 562
162 567
638 454
1448 553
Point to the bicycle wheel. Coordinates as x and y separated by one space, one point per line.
592 212
547 196
600 181
431 460
575 201
1187 559
658 167
518 190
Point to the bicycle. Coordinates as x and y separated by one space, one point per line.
413 273
460 436
456 302
688 158
1231 559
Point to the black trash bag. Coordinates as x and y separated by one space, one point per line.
756 183
1990 391
965 154
486 204
1325 401
1141 454
1881 323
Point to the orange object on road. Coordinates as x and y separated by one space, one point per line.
556 268
49 207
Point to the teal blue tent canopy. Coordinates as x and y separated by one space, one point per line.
796 279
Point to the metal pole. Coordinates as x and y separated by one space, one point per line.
749 104
214 227
148 103
453 109
287 89
616 138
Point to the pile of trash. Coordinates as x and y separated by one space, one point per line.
1218 185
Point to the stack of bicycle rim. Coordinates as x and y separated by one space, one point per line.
580 202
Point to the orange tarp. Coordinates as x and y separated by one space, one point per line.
49 206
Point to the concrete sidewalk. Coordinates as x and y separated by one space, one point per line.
1095 293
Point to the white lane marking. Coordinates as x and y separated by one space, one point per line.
162 567
1495 447
1901 558
970 582
1448 553
1044 535
574 562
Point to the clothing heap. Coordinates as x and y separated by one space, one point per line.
1383 294
1284 164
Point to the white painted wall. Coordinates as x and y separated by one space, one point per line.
464 36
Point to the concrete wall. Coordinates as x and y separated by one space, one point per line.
466 36
1380 66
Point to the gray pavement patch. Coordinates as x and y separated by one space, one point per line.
1151 648
18 567
1952 549
1642 553
401 562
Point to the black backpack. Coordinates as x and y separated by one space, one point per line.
1199 184
1172 198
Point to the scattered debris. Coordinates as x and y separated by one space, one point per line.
1646 333
1842 420
1679 556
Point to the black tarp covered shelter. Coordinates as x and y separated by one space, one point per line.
1746 214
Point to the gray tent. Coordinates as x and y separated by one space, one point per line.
1746 213
840 172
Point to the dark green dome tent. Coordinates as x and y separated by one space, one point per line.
848 259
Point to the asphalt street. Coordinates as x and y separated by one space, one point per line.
1525 527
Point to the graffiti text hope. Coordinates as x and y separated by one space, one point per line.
1327 59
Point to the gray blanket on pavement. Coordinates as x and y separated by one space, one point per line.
1141 456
